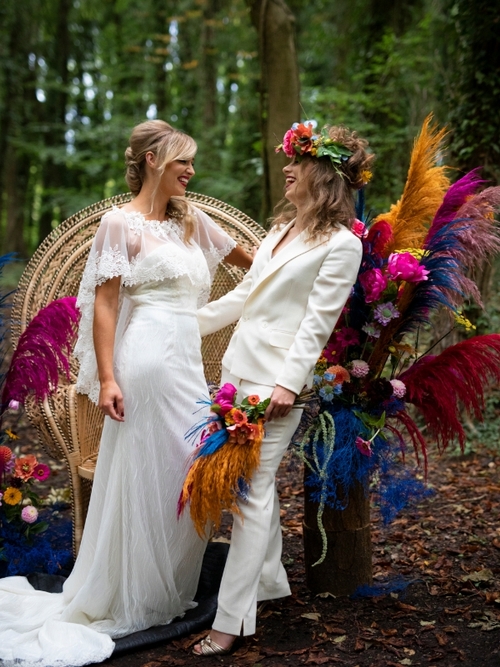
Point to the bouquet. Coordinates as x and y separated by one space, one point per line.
226 457
417 260
19 502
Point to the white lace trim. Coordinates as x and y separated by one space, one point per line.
112 264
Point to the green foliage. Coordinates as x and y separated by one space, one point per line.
75 77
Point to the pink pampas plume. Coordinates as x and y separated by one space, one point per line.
42 352
440 387
455 197
480 238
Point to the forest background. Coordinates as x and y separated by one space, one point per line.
77 75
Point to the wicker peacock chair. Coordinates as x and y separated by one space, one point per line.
68 424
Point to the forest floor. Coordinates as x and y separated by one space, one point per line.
447 549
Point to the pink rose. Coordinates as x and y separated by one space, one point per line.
403 266
358 228
226 393
373 283
224 399
287 144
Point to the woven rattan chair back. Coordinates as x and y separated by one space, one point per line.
68 424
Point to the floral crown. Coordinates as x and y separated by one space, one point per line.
301 139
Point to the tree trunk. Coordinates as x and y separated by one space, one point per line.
348 562
279 91
54 171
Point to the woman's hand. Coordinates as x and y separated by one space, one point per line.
282 401
111 401
239 257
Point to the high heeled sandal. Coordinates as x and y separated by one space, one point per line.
209 647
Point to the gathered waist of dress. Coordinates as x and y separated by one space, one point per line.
164 307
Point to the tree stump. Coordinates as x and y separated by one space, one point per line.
348 562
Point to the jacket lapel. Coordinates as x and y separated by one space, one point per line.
295 248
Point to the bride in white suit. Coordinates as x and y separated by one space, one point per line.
286 307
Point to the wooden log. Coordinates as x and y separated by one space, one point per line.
348 562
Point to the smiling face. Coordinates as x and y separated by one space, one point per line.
175 177
296 183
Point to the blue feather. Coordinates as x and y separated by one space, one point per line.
212 443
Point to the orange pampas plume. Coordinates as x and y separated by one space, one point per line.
214 482
423 193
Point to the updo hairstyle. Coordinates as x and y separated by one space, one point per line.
332 195
167 144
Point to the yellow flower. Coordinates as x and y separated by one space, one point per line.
11 434
462 321
12 496
366 176
418 253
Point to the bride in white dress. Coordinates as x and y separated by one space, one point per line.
140 360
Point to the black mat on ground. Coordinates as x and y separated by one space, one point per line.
193 621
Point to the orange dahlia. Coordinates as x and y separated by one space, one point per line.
341 374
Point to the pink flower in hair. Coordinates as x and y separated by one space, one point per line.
403 266
288 148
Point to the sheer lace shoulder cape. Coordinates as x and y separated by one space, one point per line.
139 251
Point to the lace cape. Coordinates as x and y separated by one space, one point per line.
123 241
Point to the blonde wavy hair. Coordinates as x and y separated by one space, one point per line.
167 144
331 195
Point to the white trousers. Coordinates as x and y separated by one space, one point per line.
253 570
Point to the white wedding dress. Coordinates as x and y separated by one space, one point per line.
138 565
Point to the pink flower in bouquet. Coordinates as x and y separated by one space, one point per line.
364 446
226 393
359 368
403 266
24 467
347 336
358 228
29 514
398 388
330 352
373 283
41 472
14 405
224 399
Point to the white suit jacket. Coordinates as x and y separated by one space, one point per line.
287 307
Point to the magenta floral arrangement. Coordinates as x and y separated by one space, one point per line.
417 260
